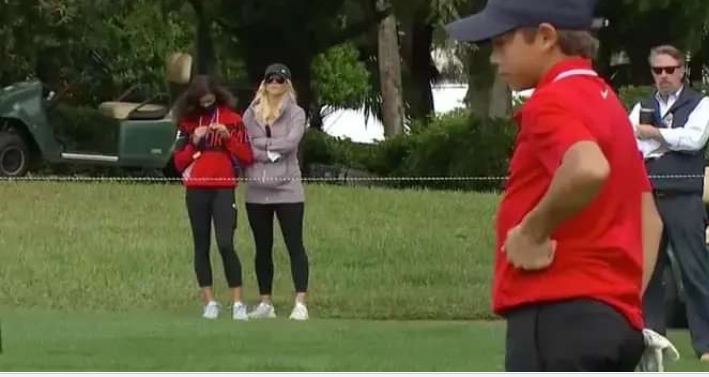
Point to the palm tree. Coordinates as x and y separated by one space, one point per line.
390 74
421 32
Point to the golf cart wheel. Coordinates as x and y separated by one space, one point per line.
14 155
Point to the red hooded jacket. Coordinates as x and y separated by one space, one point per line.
211 164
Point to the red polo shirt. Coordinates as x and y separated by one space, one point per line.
599 251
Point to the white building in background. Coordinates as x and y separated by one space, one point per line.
351 123
446 97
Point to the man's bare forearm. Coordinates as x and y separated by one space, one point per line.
651 235
583 171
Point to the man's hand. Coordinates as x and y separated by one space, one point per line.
526 251
220 129
646 132
199 133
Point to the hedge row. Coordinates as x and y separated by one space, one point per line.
454 145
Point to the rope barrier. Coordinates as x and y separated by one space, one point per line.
340 179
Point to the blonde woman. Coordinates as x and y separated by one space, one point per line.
275 125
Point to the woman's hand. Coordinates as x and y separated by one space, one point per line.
220 129
273 156
199 133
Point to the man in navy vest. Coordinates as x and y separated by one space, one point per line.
672 130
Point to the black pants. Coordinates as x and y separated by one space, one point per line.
203 206
290 217
571 336
684 223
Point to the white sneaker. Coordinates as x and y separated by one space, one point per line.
263 310
211 310
239 312
300 312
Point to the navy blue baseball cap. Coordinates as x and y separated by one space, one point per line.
501 16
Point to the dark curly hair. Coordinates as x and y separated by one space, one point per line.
188 103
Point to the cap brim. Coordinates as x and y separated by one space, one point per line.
478 27
279 74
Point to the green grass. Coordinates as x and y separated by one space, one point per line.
375 254
99 277
162 341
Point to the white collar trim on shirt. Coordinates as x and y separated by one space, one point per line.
576 72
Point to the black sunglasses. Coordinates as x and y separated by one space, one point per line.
670 70
276 78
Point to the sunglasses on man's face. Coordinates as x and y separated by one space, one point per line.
669 70
276 79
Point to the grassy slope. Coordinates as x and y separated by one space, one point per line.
375 254
144 341
99 277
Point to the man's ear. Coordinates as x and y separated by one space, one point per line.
548 36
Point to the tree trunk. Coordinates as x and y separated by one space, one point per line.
480 81
390 77
696 67
488 96
423 71
500 99
205 46
316 118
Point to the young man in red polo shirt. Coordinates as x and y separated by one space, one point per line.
577 210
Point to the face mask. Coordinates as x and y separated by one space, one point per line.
210 109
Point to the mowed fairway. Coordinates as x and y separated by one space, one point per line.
99 277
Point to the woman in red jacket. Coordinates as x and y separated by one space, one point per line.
215 142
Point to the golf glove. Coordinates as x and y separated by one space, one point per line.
657 350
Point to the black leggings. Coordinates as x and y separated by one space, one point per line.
290 217
203 205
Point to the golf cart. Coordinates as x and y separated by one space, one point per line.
675 308
138 135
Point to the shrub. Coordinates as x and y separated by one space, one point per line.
340 79
320 148
457 144
631 95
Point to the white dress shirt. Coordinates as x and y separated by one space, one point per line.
692 137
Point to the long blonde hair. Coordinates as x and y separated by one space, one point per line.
267 112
